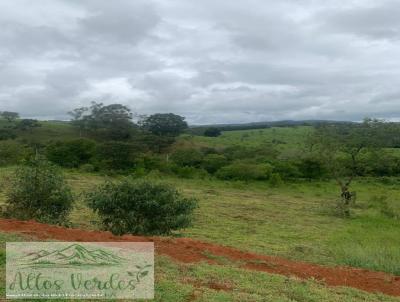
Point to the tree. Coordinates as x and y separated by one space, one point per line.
164 124
110 122
77 118
339 147
27 125
9 115
212 132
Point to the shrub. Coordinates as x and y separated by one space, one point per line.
212 132
275 180
245 171
311 168
190 172
286 169
213 162
187 157
115 155
141 207
72 153
38 191
12 152
150 162
6 134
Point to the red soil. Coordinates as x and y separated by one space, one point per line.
190 251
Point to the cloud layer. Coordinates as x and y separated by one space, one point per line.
211 61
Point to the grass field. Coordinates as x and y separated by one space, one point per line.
294 221
283 137
48 130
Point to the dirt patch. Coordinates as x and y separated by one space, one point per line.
189 251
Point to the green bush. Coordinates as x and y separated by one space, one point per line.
71 154
12 152
116 156
6 134
141 207
275 180
187 157
190 172
311 168
245 171
213 162
287 169
38 191
212 132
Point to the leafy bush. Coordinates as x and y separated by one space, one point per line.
151 162
275 180
212 132
12 152
187 157
71 154
115 155
38 191
286 169
6 134
213 162
190 172
141 207
245 171
311 168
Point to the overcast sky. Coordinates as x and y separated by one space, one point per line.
213 61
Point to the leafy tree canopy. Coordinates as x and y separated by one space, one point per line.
111 121
9 115
164 124
27 125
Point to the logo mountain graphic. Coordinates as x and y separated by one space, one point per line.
73 255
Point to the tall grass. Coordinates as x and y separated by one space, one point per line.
369 242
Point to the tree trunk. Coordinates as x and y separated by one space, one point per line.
346 200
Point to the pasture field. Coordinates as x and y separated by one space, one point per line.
291 221
294 220
48 130
283 137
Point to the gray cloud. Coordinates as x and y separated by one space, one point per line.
212 61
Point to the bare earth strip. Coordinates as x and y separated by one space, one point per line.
190 251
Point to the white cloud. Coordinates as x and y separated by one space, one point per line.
212 61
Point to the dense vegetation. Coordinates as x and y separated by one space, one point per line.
278 191
104 138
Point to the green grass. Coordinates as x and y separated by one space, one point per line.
47 131
369 242
177 282
285 138
292 221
